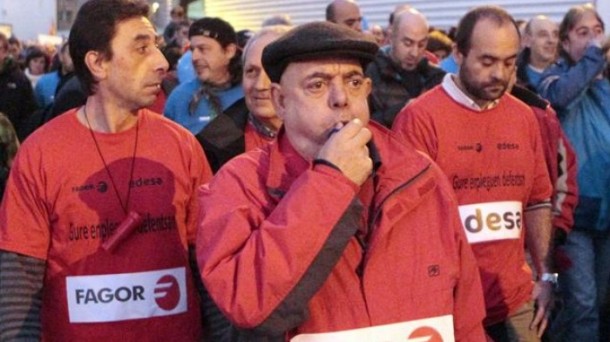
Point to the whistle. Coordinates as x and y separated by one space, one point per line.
127 226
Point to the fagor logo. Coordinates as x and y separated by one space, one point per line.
425 334
107 295
167 293
126 296
484 222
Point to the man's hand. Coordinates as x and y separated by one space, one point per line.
346 149
543 295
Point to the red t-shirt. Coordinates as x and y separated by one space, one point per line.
60 205
494 161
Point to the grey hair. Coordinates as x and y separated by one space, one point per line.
277 30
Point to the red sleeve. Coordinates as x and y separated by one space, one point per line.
561 164
566 188
24 219
541 189
413 125
259 249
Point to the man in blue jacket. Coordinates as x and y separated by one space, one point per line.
576 88
216 60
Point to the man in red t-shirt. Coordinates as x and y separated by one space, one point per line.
489 146
100 210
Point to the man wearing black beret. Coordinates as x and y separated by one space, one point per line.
217 88
337 231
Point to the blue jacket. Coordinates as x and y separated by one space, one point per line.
582 100
185 70
46 87
449 65
177 105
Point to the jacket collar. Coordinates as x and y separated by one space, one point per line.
399 165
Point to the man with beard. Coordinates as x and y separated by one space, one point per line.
217 62
489 146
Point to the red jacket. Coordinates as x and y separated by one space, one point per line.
559 156
286 248
561 163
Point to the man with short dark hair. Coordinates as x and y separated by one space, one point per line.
217 62
345 13
235 132
306 230
100 209
579 90
489 146
401 71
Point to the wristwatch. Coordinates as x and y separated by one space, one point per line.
549 277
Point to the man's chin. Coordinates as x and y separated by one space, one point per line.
409 67
494 93
203 76
147 102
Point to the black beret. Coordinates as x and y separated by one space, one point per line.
214 28
317 40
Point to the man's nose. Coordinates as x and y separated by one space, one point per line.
262 81
502 72
338 96
161 63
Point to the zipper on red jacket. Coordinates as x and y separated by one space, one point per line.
374 215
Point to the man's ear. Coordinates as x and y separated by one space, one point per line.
277 97
526 40
459 57
565 44
95 61
231 50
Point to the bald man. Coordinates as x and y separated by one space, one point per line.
540 39
397 9
401 71
345 13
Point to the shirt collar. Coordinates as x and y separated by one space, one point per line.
460 97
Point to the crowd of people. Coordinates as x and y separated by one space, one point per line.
313 182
